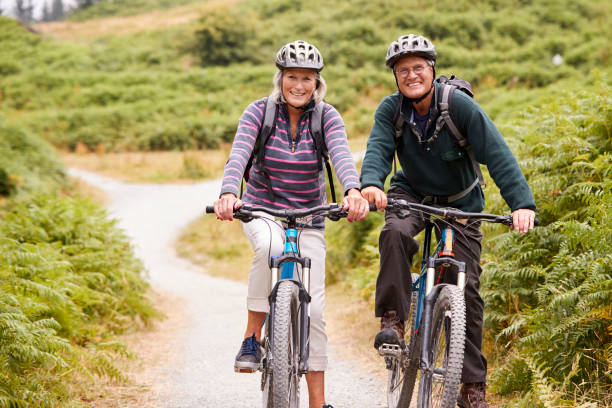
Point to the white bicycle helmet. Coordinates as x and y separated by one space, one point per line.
299 54
410 44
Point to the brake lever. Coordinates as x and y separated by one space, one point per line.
336 213
244 215
398 210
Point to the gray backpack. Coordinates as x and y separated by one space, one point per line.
449 86
316 129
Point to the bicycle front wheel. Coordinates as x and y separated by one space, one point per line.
285 381
266 378
439 387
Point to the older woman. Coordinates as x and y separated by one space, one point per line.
290 178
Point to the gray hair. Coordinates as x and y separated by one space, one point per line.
277 93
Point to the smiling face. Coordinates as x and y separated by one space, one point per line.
298 85
414 76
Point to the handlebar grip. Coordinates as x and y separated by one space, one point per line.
536 221
372 207
210 209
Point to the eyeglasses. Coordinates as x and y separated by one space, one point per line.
404 72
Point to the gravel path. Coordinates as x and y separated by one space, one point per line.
201 374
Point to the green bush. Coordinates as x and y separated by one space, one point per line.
27 164
69 281
548 292
225 36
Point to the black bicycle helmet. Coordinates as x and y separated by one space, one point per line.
410 44
299 54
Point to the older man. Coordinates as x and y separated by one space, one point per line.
435 170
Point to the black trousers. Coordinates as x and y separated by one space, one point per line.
393 286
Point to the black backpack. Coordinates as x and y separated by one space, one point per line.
449 85
316 130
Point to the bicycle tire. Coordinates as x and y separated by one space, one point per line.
402 376
439 387
285 379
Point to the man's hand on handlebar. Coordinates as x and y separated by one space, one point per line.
375 195
356 205
522 220
225 206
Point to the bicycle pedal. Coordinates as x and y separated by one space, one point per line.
391 350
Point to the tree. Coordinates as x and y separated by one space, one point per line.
46 13
83 4
20 10
57 10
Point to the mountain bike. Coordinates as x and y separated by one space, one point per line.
286 336
434 345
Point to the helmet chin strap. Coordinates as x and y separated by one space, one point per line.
420 98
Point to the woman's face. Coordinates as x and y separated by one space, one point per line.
298 85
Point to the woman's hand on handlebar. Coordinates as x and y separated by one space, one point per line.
357 206
225 206
375 195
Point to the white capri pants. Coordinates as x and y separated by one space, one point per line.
268 240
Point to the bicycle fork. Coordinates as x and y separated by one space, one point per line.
445 259
282 268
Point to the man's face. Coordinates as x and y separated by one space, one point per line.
414 76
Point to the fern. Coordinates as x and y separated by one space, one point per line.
560 325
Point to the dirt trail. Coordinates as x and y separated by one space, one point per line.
194 368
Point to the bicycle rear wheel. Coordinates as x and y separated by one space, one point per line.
402 374
285 381
439 387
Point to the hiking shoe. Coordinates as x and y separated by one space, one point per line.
248 357
392 330
472 395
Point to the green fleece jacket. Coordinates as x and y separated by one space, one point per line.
442 168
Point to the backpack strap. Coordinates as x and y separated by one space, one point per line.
316 130
263 134
445 118
399 124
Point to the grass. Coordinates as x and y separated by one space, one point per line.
227 258
152 167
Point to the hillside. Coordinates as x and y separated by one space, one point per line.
170 88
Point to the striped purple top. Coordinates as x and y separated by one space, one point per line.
295 178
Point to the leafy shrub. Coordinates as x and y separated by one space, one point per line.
224 37
69 281
68 278
27 163
549 292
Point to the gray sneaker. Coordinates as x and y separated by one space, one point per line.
248 357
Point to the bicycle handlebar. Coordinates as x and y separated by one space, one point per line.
452 213
332 211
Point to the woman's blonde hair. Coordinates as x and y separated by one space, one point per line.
277 93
